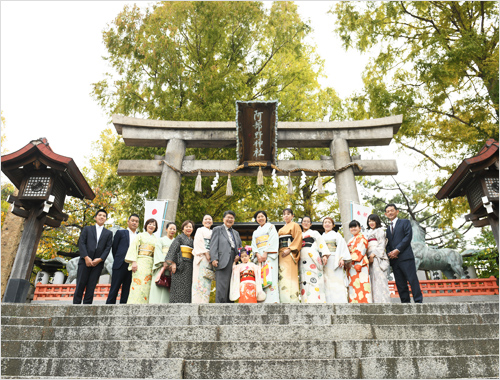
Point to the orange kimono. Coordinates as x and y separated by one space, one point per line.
290 236
246 284
359 276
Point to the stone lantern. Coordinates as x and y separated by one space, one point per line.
43 178
477 178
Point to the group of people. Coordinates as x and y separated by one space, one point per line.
290 265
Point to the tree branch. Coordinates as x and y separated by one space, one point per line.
423 154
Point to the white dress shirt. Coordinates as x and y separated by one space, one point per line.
99 232
131 235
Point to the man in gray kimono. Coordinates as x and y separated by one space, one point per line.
223 251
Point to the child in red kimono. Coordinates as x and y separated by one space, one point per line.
246 282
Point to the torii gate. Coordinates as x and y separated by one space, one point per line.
176 136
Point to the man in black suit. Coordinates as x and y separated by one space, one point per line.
121 275
223 250
401 256
94 244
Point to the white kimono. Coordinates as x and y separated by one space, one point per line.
336 281
265 239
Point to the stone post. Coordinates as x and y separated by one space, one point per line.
19 282
12 231
170 182
347 191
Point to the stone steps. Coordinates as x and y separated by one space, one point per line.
217 350
158 368
270 319
233 332
449 340
51 310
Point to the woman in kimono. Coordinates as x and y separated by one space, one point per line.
246 283
314 250
180 262
290 243
140 257
379 262
265 254
160 294
359 278
336 281
203 273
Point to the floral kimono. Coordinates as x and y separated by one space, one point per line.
246 284
336 281
141 250
290 236
159 294
359 276
265 239
312 285
181 253
380 265
202 285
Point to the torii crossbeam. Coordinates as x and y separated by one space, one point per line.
176 136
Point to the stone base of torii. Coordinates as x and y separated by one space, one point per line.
176 136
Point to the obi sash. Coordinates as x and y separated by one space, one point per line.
165 249
146 250
207 244
332 245
187 251
372 239
285 241
262 241
247 275
307 241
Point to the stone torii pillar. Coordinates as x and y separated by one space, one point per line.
347 191
170 182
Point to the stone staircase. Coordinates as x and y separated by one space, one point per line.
434 340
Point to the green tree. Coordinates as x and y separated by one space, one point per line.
192 61
485 259
437 64
81 212
413 202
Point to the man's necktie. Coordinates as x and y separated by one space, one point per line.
392 228
232 236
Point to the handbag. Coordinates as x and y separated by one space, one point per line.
164 281
208 273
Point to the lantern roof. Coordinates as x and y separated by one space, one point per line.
39 155
456 185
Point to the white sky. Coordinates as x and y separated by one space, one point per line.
51 54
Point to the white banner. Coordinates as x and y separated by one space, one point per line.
156 210
360 213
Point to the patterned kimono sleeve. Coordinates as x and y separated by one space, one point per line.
261 295
380 235
358 248
159 256
255 250
321 244
342 250
296 233
273 242
234 286
133 249
175 247
198 246
199 243
361 247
